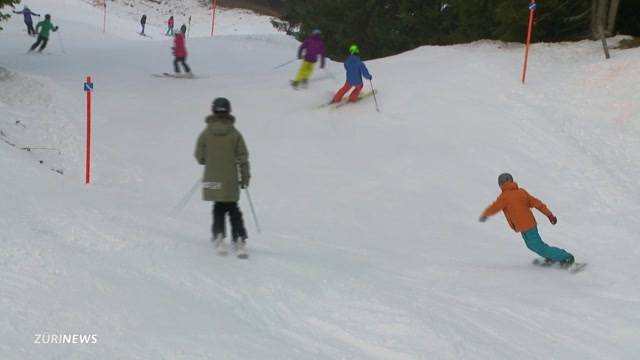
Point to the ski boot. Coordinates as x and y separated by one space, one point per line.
239 247
219 244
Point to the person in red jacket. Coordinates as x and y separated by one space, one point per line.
170 24
516 203
180 53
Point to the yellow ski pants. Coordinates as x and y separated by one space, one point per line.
306 69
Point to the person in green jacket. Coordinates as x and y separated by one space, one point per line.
43 29
223 152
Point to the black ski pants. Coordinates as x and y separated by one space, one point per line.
41 40
220 209
30 29
181 60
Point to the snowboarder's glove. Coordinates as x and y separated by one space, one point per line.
483 218
553 220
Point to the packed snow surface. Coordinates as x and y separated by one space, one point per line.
370 248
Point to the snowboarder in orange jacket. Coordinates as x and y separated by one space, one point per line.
516 204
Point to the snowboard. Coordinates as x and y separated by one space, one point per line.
574 268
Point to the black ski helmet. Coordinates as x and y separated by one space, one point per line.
221 106
47 17
504 178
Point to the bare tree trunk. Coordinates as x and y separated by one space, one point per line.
594 19
613 14
598 17
602 13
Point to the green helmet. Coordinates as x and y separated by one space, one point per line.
354 49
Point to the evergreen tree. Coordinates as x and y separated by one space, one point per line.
385 27
379 27
629 17
4 3
508 20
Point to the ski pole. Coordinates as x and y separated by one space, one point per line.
253 211
373 91
284 64
180 206
61 44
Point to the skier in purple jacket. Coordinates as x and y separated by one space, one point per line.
312 48
26 12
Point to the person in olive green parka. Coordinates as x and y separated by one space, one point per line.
43 29
223 152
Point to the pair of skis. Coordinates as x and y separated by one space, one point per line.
343 102
176 76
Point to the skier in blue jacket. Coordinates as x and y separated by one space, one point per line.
356 70
26 12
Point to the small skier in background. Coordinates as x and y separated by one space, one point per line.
312 48
170 24
28 20
180 52
223 152
143 22
356 70
516 203
43 29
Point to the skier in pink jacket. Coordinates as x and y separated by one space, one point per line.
180 52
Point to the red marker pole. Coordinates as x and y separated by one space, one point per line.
214 3
532 10
88 88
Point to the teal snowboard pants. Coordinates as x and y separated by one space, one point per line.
534 243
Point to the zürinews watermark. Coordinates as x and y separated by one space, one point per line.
80 339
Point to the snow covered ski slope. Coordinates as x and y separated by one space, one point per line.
370 248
